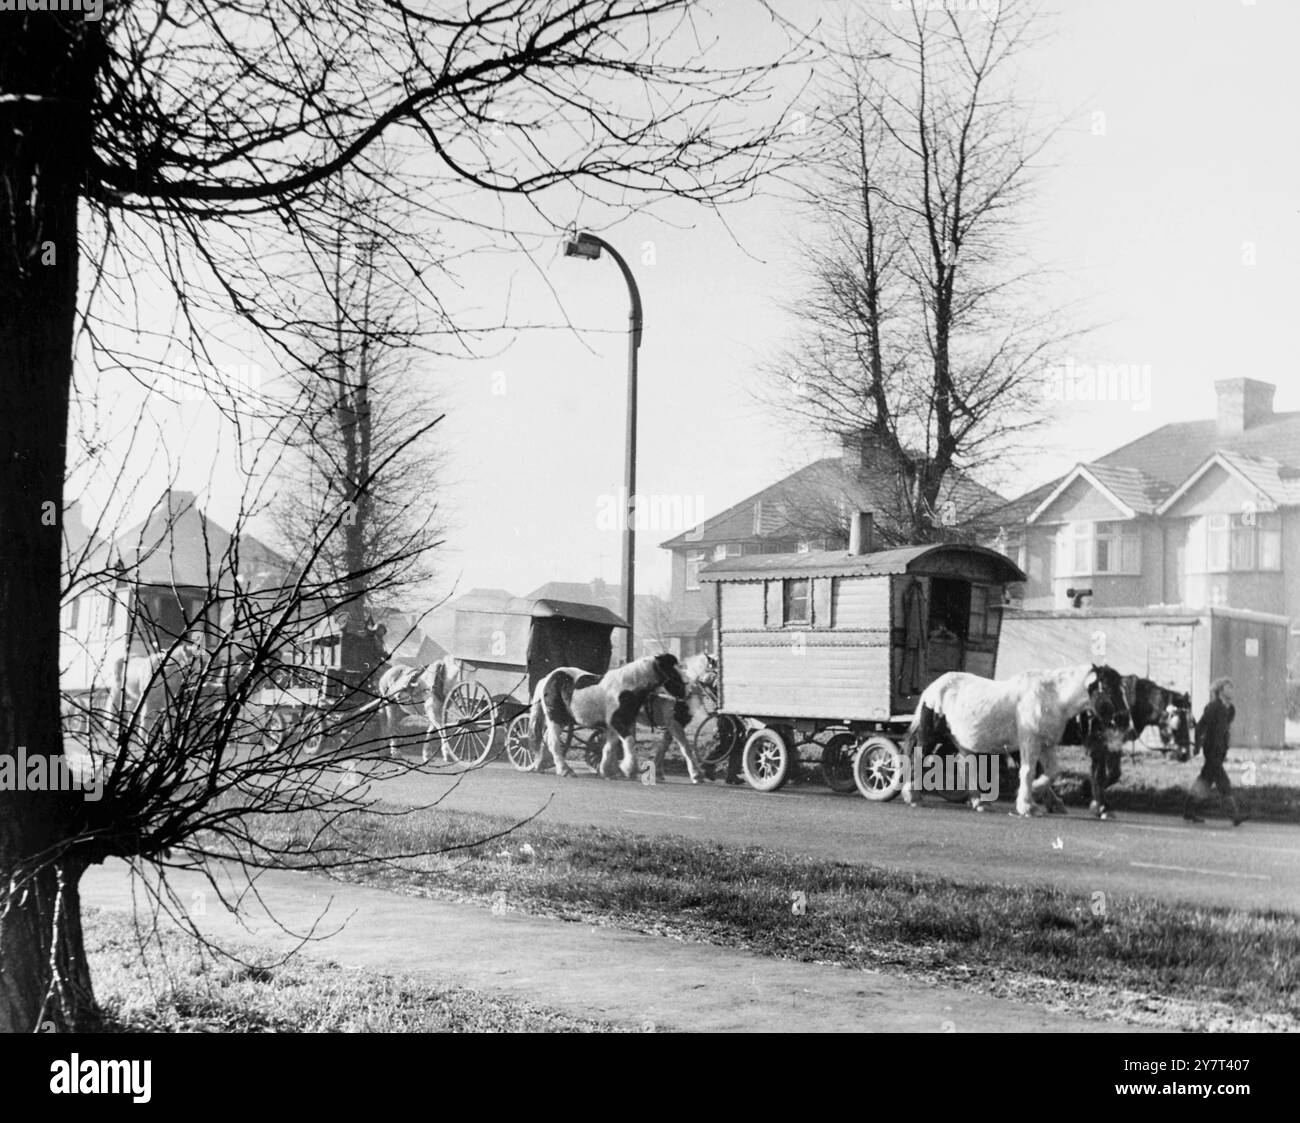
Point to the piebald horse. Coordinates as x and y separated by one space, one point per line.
571 696
426 687
143 689
673 715
1149 704
1026 713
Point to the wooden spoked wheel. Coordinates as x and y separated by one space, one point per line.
593 745
767 759
276 731
837 763
469 720
878 769
518 751
715 738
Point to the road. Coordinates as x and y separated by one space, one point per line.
1256 865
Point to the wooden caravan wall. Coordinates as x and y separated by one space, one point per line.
835 668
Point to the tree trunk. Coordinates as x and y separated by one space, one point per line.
47 64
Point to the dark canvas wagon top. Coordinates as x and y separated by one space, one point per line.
514 642
854 637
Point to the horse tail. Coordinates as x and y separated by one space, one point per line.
925 722
536 723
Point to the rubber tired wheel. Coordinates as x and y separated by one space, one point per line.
767 760
878 769
469 719
518 750
715 738
837 763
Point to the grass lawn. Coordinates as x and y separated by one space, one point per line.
1131 959
173 986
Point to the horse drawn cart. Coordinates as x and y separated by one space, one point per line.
325 694
844 643
504 647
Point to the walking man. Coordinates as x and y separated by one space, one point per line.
1212 735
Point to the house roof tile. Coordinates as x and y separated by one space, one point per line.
828 480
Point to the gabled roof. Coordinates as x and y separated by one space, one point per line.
836 563
1173 452
1131 491
829 480
1170 454
178 545
1278 486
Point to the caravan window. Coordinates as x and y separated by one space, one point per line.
983 621
797 601
950 608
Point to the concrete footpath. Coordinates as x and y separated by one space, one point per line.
647 982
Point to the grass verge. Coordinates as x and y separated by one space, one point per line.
1134 959
177 987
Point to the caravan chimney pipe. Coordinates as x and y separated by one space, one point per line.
860 533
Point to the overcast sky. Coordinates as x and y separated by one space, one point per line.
1171 214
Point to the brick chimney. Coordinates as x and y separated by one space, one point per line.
1243 404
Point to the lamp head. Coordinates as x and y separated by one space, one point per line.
582 245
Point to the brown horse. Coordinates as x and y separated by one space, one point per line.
571 696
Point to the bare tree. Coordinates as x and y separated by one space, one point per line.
200 139
361 395
921 340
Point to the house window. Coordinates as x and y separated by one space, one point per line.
719 553
797 601
1216 543
1087 548
694 559
804 547
1269 530
730 550
1245 542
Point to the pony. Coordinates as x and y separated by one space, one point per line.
571 696
1150 705
1027 712
427 687
144 689
673 715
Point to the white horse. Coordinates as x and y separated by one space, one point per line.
426 687
1027 713
571 696
144 689
673 715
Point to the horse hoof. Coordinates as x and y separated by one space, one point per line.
566 772
980 807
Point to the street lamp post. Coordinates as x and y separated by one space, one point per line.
589 246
